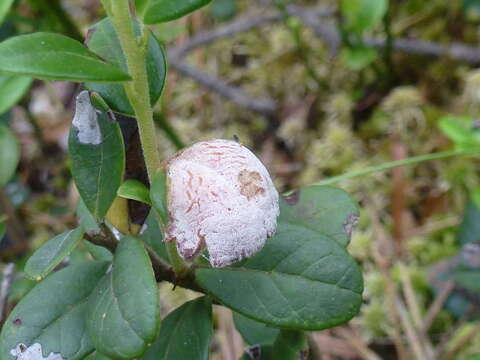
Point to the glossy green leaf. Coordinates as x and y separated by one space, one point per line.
5 6
124 313
290 345
327 210
361 15
254 332
12 89
166 10
97 155
105 43
158 195
9 155
52 253
153 236
186 333
55 57
53 314
134 190
303 261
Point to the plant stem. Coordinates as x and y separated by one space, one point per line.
138 94
392 164
137 90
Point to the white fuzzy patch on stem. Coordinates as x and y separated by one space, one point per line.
33 352
86 120
220 196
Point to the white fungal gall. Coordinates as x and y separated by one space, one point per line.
220 196
85 120
33 352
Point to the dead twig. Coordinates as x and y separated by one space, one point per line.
265 106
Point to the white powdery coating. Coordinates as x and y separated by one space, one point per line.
220 195
34 352
85 120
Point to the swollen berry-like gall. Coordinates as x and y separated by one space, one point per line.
219 196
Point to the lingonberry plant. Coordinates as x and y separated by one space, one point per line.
208 219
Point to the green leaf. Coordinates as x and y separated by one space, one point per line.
86 219
158 195
53 314
153 236
98 252
124 313
327 210
105 43
5 6
96 356
361 15
21 286
254 332
134 190
12 89
9 155
97 155
290 345
359 57
52 253
186 333
55 57
305 260
167 10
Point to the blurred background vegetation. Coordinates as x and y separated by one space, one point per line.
317 89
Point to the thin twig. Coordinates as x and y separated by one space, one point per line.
250 21
7 280
264 106
329 33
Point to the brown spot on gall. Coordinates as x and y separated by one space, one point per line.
17 322
250 182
